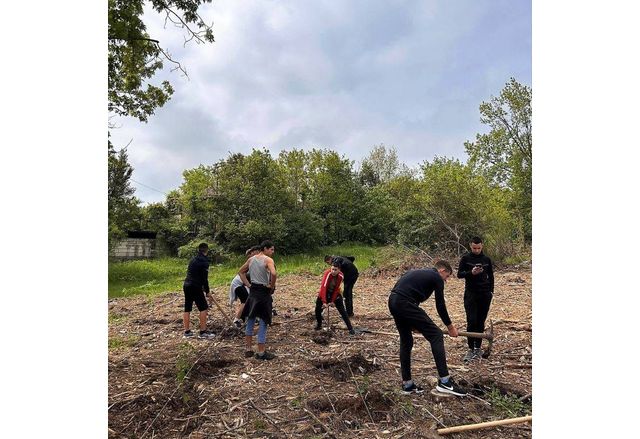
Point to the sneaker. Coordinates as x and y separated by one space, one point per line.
265 356
317 328
188 334
477 353
248 354
206 334
468 356
352 332
450 387
413 388
238 323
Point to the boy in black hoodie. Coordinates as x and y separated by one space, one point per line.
477 271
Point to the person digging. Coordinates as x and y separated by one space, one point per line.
330 294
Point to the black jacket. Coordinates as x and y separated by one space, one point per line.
480 283
418 285
198 272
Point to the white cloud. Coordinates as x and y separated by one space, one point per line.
344 75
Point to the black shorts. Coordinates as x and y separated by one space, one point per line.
241 293
194 294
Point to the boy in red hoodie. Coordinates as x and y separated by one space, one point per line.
330 293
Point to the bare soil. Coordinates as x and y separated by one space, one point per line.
322 383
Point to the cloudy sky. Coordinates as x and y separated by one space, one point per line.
344 75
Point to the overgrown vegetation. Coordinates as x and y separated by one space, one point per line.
305 199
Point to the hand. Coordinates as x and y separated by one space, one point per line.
476 270
453 332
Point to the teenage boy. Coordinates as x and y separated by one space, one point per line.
195 286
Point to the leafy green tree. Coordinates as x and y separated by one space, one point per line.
123 207
335 195
504 154
135 56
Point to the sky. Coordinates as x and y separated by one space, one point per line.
345 75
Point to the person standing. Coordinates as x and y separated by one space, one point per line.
330 293
195 286
414 287
477 271
350 272
238 291
262 272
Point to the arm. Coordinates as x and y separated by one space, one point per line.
243 274
441 306
462 269
272 269
490 274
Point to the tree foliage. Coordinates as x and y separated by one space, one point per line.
123 209
135 56
303 199
504 154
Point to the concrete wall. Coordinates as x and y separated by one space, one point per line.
134 248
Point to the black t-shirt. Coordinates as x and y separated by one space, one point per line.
198 272
418 285
481 282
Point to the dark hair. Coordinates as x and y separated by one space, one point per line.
335 264
476 240
327 258
203 246
444 264
265 244
251 249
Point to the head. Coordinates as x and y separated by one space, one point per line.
335 269
328 259
444 269
252 251
203 248
267 248
476 245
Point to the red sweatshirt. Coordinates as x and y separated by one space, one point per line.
326 277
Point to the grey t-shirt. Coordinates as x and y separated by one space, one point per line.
258 271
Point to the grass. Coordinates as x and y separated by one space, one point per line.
157 276
506 405
118 342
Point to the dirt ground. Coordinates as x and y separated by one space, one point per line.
322 383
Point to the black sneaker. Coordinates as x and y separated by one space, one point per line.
188 334
248 354
450 387
238 323
352 332
413 388
206 334
265 356
317 328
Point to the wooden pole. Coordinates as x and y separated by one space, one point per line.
213 299
490 424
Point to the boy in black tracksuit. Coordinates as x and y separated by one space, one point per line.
350 272
477 271
414 287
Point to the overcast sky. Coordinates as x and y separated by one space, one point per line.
343 75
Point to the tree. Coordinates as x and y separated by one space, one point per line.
135 56
504 155
123 207
381 165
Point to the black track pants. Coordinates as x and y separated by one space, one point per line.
408 316
339 306
348 293
476 305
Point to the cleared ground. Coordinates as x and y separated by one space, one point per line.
322 384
